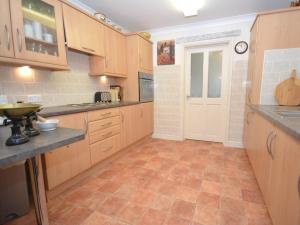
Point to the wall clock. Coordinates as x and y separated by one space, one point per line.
241 47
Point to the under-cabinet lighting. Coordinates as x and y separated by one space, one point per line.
188 7
103 79
25 71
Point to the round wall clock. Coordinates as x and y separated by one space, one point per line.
241 47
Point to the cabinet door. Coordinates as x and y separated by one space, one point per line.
77 26
6 40
145 56
285 181
111 50
38 31
73 159
128 126
261 131
147 119
121 56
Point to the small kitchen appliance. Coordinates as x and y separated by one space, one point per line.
103 96
118 92
16 115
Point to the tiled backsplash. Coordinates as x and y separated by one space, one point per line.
56 88
278 65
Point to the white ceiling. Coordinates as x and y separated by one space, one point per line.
137 15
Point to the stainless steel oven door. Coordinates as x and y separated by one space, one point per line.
146 87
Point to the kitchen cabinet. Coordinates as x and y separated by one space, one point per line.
145 55
129 124
274 156
6 41
137 123
83 33
147 119
114 62
37 30
271 30
139 59
67 162
104 133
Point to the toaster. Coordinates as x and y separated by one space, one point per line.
103 96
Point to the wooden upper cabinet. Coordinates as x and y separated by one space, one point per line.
272 30
145 56
38 31
83 33
114 63
6 40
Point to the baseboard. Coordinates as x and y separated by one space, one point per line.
234 144
168 137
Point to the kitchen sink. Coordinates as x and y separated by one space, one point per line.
289 113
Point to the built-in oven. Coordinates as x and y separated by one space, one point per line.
146 87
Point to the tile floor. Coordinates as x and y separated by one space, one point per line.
167 183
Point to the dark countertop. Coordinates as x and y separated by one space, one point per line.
45 142
290 125
75 108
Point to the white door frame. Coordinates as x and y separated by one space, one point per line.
204 44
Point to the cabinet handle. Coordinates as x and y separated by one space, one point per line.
106 114
8 37
274 135
107 135
107 124
20 44
88 49
268 143
108 149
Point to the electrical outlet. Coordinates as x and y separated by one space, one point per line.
3 99
34 98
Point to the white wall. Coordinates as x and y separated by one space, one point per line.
237 76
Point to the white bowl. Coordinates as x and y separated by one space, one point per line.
48 125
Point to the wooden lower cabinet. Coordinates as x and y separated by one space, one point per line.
103 149
67 162
274 156
137 123
107 132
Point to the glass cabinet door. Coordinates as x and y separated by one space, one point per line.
38 30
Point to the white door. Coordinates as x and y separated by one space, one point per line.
206 90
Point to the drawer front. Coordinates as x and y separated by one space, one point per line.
103 114
104 149
103 124
103 134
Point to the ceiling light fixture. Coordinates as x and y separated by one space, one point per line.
188 7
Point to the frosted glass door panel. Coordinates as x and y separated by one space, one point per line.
215 74
197 60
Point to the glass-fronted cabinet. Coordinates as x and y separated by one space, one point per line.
38 31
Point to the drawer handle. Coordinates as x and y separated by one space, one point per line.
107 124
106 114
88 49
108 149
107 135
274 135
